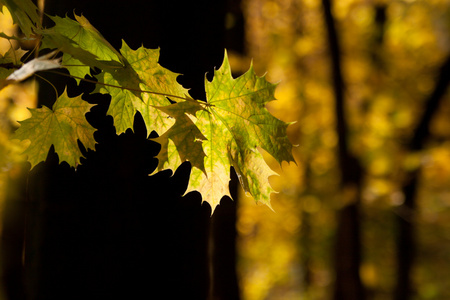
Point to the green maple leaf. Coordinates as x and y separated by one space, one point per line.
82 44
62 126
143 85
235 123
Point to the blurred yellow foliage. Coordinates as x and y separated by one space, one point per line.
14 100
391 53
7 27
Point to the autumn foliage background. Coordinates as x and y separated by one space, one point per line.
391 56
391 52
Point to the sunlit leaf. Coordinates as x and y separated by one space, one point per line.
183 141
140 86
62 126
83 46
236 123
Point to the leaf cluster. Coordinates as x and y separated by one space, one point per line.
229 130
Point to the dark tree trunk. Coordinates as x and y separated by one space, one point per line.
12 235
405 240
110 231
224 280
348 284
406 245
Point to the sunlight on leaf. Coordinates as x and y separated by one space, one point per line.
145 84
83 46
62 126
183 141
236 122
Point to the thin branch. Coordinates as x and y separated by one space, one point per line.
49 82
406 243
432 105
117 86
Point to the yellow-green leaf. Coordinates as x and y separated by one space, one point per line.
82 46
236 123
142 85
183 141
62 126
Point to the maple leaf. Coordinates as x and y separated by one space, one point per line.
183 141
82 44
144 85
236 123
62 126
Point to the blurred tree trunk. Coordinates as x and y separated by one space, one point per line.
224 281
307 253
13 231
348 284
406 245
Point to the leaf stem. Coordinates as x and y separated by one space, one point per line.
49 82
